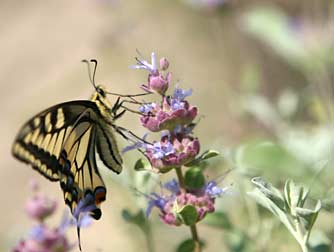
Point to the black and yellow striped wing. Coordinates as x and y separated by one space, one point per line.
63 143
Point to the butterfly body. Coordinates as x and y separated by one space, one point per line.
63 143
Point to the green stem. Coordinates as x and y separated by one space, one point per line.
181 179
149 240
302 241
193 229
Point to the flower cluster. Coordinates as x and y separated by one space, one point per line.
189 200
173 115
43 238
170 205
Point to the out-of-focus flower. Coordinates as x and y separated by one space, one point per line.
202 200
44 239
172 152
155 200
209 5
39 207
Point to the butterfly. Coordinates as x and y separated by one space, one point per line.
65 142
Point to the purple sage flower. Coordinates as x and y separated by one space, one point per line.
157 82
202 200
173 112
172 152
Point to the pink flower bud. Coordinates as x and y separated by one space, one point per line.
164 64
158 84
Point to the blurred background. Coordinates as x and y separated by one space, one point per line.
262 74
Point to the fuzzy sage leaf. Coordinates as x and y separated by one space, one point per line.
188 215
194 178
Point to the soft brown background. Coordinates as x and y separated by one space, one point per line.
41 46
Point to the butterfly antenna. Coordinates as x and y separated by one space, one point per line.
92 80
95 67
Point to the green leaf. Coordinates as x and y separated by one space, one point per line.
266 202
236 241
188 215
295 196
269 159
270 192
194 178
137 219
309 216
272 26
209 154
142 165
328 202
219 220
205 155
188 246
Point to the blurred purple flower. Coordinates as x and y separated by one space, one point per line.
155 200
180 94
39 207
173 186
44 239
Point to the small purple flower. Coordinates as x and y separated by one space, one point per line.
160 149
82 212
136 144
155 200
143 64
147 108
172 186
213 190
180 94
176 104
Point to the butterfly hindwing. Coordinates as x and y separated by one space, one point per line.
79 175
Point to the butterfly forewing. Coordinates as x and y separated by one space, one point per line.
61 143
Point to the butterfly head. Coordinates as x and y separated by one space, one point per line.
101 91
